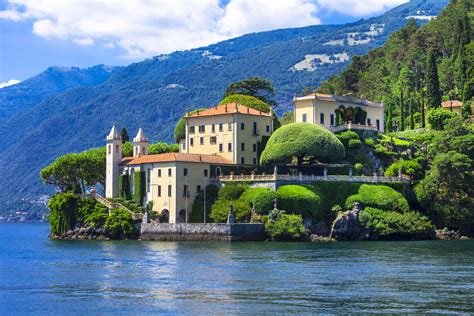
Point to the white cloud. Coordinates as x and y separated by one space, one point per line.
359 8
149 27
10 82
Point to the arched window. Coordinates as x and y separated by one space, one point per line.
218 171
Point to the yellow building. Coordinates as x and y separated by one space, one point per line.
336 112
220 137
232 131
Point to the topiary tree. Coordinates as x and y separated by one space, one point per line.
379 196
262 199
300 140
439 117
299 199
248 101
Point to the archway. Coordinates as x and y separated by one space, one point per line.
165 216
182 216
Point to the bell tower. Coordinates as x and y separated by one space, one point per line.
114 158
140 144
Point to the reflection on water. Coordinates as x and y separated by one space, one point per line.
38 275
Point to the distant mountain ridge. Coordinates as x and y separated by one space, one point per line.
155 93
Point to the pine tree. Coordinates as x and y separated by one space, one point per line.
433 95
124 135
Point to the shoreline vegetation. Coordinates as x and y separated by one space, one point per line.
430 144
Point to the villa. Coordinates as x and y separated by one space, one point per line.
222 139
337 113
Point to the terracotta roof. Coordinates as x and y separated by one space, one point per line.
453 103
172 157
229 109
338 98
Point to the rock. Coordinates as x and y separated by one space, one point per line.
318 238
463 238
321 229
447 234
346 226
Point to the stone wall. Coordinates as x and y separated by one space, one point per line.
197 232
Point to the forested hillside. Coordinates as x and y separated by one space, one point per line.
155 93
416 69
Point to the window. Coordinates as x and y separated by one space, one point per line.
321 118
254 148
213 140
148 180
191 141
221 149
268 128
229 147
369 122
201 140
242 126
191 130
184 146
242 160
255 161
110 149
169 190
377 122
304 118
213 128
242 146
255 131
332 119
221 127
202 128
116 149
169 172
159 173
185 190
185 172
159 191
229 126
205 173
198 189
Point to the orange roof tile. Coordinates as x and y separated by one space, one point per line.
229 109
453 103
172 157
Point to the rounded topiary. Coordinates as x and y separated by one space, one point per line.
379 196
354 143
248 101
262 199
301 140
298 199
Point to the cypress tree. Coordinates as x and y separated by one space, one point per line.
433 95
124 135
402 113
422 110
412 119
388 123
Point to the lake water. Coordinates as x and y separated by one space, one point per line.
43 276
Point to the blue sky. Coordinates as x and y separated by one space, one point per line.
37 34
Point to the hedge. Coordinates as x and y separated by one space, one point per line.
346 137
262 199
408 167
197 210
298 140
379 196
383 223
139 187
124 187
299 199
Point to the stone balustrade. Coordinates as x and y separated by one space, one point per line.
350 126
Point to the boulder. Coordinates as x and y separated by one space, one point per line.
447 234
346 226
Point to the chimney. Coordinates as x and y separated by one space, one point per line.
236 109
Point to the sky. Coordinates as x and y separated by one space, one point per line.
36 34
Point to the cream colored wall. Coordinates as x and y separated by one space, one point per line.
304 107
328 108
248 137
241 136
223 137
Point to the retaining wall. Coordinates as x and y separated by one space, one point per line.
198 232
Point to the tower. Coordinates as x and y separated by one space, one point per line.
114 158
140 144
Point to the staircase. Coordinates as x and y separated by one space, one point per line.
110 205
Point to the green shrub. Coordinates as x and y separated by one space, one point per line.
160 148
220 208
124 187
139 186
346 137
299 199
384 223
334 193
62 215
120 224
262 199
248 101
379 196
354 143
300 140
197 210
408 167
438 118
286 227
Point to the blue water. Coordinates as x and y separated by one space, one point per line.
43 276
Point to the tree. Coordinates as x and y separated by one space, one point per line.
433 95
447 192
180 129
438 118
124 135
411 113
300 140
160 148
248 101
254 86
402 112
287 118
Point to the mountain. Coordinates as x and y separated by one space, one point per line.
51 82
155 93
